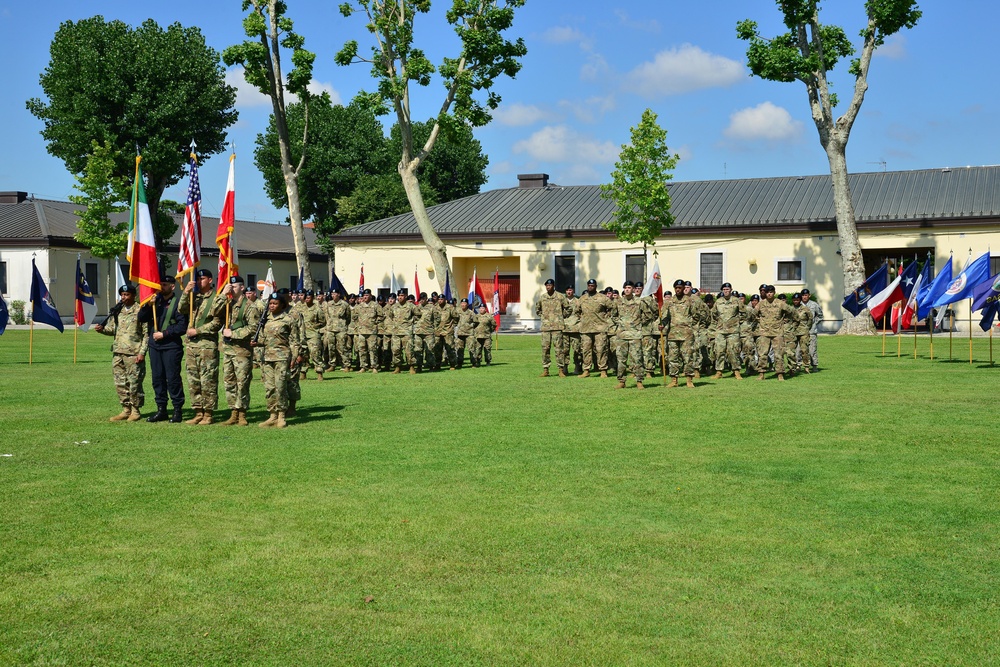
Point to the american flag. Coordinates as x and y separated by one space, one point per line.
189 255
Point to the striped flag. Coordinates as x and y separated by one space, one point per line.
143 269
189 255
361 284
416 284
496 298
229 263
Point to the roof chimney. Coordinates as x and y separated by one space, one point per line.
12 197
532 180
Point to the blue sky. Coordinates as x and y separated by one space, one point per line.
592 67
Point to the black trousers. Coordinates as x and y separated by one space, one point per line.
165 369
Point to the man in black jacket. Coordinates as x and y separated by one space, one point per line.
166 349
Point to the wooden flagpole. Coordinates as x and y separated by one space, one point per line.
970 331
883 334
76 332
951 334
31 338
899 331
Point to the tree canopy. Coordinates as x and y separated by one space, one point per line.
144 88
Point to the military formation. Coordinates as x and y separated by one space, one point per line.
689 335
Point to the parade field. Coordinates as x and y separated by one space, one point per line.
491 517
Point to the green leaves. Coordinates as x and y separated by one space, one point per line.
639 184
103 194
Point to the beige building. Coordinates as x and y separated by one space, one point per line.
780 231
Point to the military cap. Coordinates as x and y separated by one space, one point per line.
550 282
609 290
687 283
401 292
465 301
168 279
392 295
768 288
725 285
678 283
628 283
423 295
694 290
284 291
755 297
127 287
203 273
797 295
279 297
367 292
233 280
591 282
410 297
309 292
762 286
638 284
805 291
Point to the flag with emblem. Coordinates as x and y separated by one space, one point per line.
86 307
910 309
496 298
857 300
4 315
654 283
228 259
336 285
973 274
986 297
189 253
43 310
361 282
143 266
269 284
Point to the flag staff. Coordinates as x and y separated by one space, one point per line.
899 324
991 343
883 334
76 325
496 315
915 319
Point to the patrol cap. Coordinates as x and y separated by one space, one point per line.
234 280
678 283
168 279
805 291
203 273
591 282
628 283
127 287
550 282
725 285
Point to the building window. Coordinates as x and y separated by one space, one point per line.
565 268
383 292
252 280
293 283
91 275
994 264
788 270
710 273
635 268
3 277
319 285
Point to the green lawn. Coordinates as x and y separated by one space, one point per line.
492 517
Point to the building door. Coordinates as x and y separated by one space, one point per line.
565 269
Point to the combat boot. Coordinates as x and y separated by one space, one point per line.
690 382
604 374
291 409
233 418
206 418
673 381
159 416
621 384
346 369
198 414
578 368
781 377
717 376
806 369
413 371
273 417
241 418
562 372
585 374
280 421
122 416
545 373
302 375
638 385
395 371
177 417
135 416
760 377
319 376
736 374
697 375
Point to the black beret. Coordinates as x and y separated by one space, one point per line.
755 297
628 283
284 291
233 280
423 295
550 282
768 288
127 287
687 283
309 292
638 283
805 291
678 283
465 301
168 279
591 282
203 273
725 285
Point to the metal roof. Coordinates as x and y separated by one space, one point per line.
899 196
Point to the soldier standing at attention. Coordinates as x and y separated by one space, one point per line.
817 317
423 334
553 308
314 320
485 325
464 332
338 317
650 332
283 348
399 321
677 324
259 306
166 348
365 339
595 312
448 318
201 350
798 348
629 318
771 317
294 388
728 314
128 354
571 333
237 354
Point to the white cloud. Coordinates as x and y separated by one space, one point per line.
519 115
682 70
764 121
894 48
563 35
248 96
685 153
595 69
590 110
559 143
645 25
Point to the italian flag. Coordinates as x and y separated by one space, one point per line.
143 267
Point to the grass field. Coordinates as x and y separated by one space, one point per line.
490 517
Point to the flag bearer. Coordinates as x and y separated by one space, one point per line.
129 353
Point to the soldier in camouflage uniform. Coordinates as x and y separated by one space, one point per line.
728 314
260 306
485 325
817 317
797 347
399 322
699 328
280 337
368 313
595 312
423 334
314 321
464 332
338 317
447 319
677 326
571 333
237 354
628 319
201 349
771 317
128 350
650 332
553 309
385 333
352 329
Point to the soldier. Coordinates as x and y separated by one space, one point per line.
728 314
817 313
571 332
283 350
314 320
677 325
553 308
749 334
485 325
595 312
650 332
629 317
464 332
368 313
201 349
423 333
237 354
338 317
385 333
166 349
352 328
772 314
399 319
447 319
260 306
128 353
798 342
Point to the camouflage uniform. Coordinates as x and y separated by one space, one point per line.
352 329
748 336
314 320
237 355
771 318
485 325
366 339
201 352
294 388
701 320
628 318
423 336
464 335
817 317
677 318
281 341
260 305
446 334
797 350
131 341
553 309
338 317
727 316
594 313
400 319
650 333
571 335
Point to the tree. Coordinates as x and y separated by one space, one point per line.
457 166
145 88
346 143
806 53
483 57
269 31
639 185
378 196
103 194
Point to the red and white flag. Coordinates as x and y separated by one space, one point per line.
189 254
654 283
496 298
416 284
143 267
361 282
229 262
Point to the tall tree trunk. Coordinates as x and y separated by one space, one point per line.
436 247
852 261
295 216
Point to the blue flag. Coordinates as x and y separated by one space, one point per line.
42 308
302 282
336 285
986 296
961 287
447 286
857 300
4 317
930 293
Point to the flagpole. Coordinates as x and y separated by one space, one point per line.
898 333
31 337
951 333
915 320
883 334
991 343
970 331
76 332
